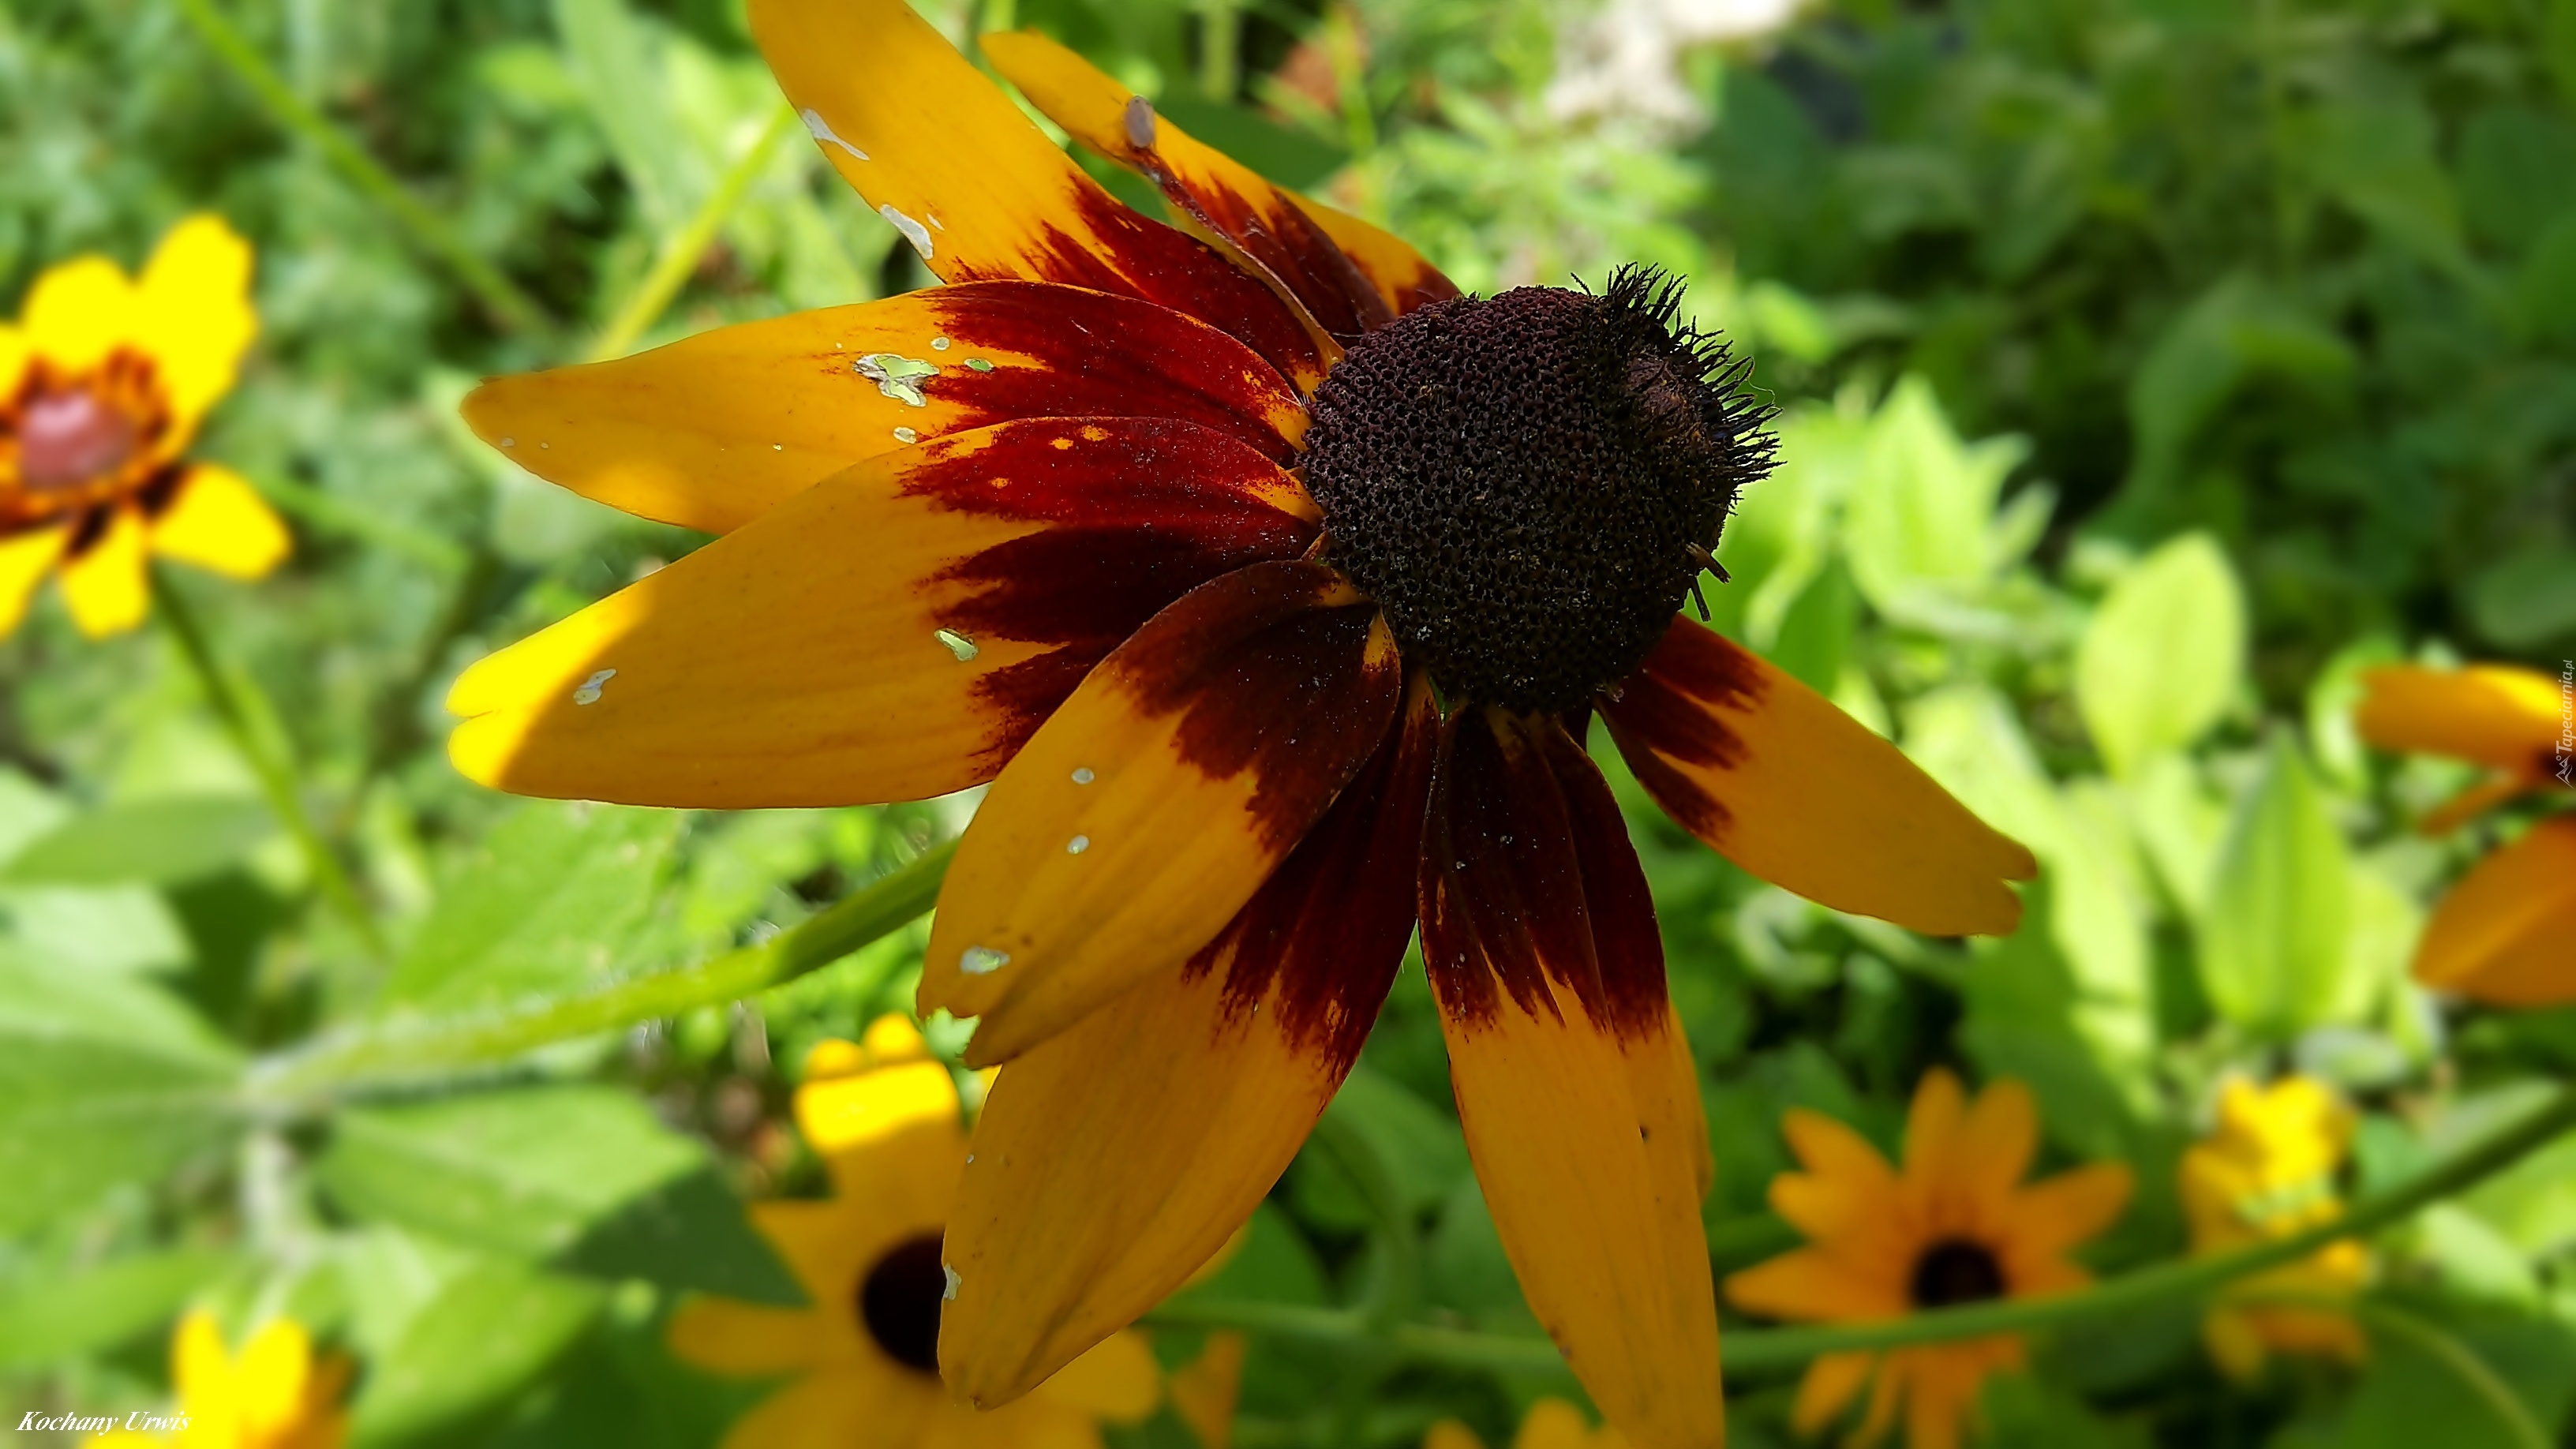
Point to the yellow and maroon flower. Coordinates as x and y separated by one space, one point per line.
2501 936
103 380
1956 1225
1272 586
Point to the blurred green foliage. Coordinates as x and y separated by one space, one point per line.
2148 367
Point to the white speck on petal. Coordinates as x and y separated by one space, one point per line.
939 344
509 442
982 960
1077 845
906 435
588 693
1083 776
897 376
913 231
821 131
948 1293
958 644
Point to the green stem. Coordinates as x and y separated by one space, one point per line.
1220 49
1781 1348
234 698
681 252
1398 1290
395 1049
513 307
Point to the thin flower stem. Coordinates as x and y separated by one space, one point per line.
393 1050
511 306
234 698
1784 1348
681 252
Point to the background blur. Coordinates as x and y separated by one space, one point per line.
2147 368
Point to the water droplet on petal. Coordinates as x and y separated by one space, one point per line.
1083 776
982 960
588 691
958 644
1077 845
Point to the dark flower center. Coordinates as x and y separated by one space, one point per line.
1955 1270
1528 484
69 437
899 1302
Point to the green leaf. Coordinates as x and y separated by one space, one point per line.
490 1331
558 899
2163 655
52 1319
2379 161
1421 1148
103 1080
160 842
2528 599
611 57
1919 529
1816 634
687 1233
2272 944
534 1172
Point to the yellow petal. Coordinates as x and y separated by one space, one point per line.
977 189
1932 1124
272 1374
2494 714
894 633
845 1114
1810 1284
15 354
1604 1234
1117 1380
2506 934
78 312
1204 1391
747 1339
200 1367
713 431
104 585
2056 1214
1252 221
193 314
1143 815
1112 1161
1846 1189
841 1410
218 521
1831 1382
24 557
1552 1424
1995 1143
1789 787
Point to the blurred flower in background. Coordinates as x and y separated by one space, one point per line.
2506 934
884 1117
2267 1171
1550 1424
103 381
1625 61
1955 1226
275 1395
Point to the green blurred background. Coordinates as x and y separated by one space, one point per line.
2148 367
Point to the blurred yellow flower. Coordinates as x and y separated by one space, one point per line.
2268 1172
103 380
2501 936
1550 1424
1955 1226
276 1395
884 1118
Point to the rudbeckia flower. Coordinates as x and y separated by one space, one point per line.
103 380
2501 936
1272 586
884 1118
276 1395
1956 1225
2268 1172
1549 1424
